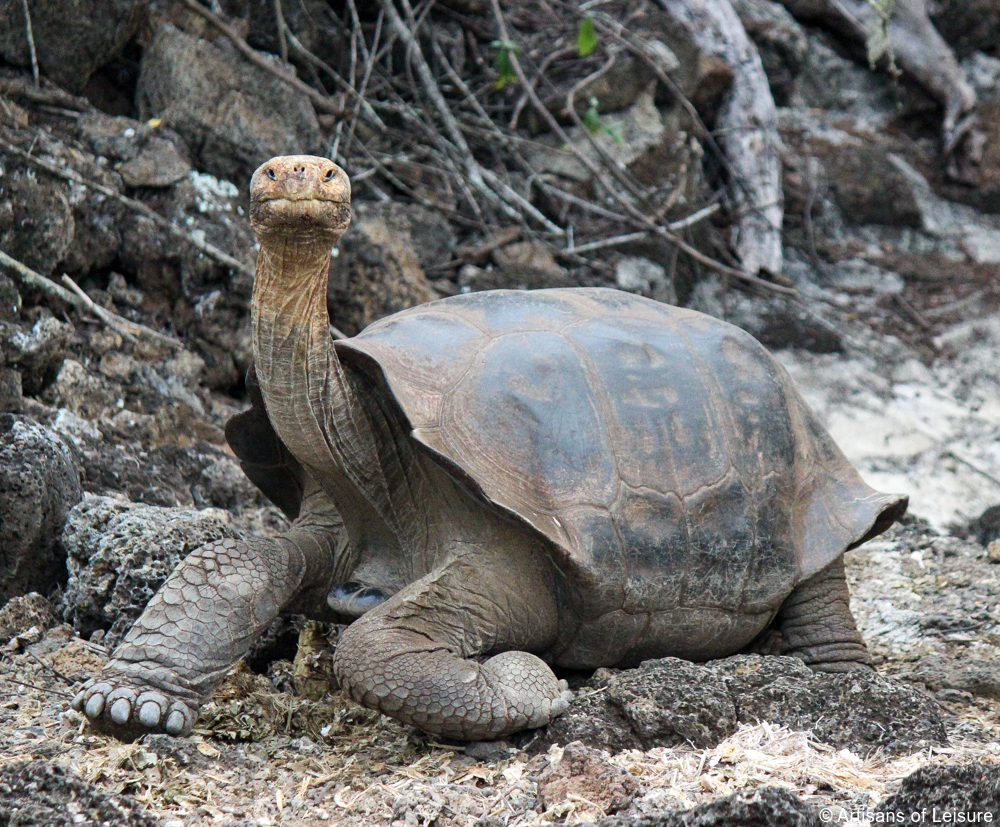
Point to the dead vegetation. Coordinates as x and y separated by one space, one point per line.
267 758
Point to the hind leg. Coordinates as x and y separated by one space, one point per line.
815 624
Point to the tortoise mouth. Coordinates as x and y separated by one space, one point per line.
299 199
290 213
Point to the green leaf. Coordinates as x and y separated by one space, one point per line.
504 67
592 118
586 36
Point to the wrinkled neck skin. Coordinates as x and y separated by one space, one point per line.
306 392
403 513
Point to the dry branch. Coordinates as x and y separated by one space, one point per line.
32 279
916 45
621 176
614 29
31 41
636 215
748 125
128 329
507 200
72 175
674 226
77 298
22 90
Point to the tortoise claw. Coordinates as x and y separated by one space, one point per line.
127 712
353 599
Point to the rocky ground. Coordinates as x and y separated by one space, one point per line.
126 169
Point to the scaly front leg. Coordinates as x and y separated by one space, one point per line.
205 617
416 656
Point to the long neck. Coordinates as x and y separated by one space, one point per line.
306 390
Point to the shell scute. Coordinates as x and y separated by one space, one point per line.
501 422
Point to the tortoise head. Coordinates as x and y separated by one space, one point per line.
300 196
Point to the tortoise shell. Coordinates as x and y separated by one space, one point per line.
664 453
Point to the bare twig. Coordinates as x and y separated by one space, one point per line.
51 669
623 178
970 464
369 65
403 187
110 319
616 241
361 104
45 690
495 132
320 101
912 312
694 218
76 297
621 35
31 42
510 202
279 17
17 88
543 67
960 305
681 224
37 280
576 200
72 175
128 329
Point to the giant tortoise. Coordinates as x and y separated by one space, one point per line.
497 483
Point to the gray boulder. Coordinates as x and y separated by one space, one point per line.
379 268
955 793
72 37
119 553
233 115
39 484
22 614
144 156
50 224
36 219
35 354
766 807
672 701
669 702
859 710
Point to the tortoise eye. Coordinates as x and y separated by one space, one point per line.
270 174
329 175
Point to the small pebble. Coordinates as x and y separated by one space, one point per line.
993 551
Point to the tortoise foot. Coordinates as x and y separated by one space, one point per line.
533 695
129 711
